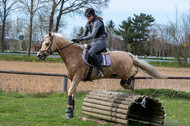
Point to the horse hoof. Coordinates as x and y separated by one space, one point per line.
69 113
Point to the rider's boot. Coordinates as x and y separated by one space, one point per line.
98 66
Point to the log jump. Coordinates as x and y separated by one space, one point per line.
122 108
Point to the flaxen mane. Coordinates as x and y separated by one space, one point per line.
61 36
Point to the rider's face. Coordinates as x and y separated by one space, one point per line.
89 18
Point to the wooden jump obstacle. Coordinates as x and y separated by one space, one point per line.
122 108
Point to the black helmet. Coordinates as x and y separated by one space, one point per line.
89 12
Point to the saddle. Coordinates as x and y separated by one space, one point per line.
103 57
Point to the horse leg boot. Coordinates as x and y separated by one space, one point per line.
128 84
98 65
70 108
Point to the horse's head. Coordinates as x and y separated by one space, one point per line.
48 47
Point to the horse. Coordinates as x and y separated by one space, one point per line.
124 65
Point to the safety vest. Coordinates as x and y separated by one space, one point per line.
100 31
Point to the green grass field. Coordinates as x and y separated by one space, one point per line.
48 109
27 59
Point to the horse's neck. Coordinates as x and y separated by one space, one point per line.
70 53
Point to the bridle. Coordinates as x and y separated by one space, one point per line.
49 48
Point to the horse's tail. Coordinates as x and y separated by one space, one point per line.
147 67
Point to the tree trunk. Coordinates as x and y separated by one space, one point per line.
59 17
30 31
163 49
52 16
3 35
3 30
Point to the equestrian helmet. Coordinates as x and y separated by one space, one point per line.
89 12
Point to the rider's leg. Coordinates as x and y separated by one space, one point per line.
98 65
97 46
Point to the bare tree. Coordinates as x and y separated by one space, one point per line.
77 7
42 25
31 7
7 7
54 6
163 34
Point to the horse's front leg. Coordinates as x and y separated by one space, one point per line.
70 104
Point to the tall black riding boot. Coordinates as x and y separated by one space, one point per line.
98 66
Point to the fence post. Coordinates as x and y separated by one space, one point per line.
64 84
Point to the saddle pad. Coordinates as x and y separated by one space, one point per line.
105 62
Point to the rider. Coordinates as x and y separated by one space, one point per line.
94 29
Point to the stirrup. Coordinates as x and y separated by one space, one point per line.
100 74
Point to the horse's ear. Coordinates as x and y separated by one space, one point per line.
49 34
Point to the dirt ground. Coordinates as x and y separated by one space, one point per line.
44 84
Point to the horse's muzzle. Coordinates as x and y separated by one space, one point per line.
41 56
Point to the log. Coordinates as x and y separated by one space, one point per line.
109 118
123 108
115 105
102 107
118 101
109 113
120 96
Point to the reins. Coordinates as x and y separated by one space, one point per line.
49 48
63 47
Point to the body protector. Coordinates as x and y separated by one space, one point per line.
100 31
94 29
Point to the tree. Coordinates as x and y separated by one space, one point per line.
54 6
126 32
31 7
6 8
163 34
42 25
110 28
141 26
77 7
80 32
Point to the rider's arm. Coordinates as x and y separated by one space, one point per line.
96 26
85 33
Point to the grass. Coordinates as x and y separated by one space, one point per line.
48 109
27 59
34 110
169 64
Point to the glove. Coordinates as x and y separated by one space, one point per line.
77 40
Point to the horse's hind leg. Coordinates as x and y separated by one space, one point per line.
129 82
70 105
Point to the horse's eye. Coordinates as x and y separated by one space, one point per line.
47 44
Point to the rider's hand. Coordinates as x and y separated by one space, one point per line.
77 40
74 40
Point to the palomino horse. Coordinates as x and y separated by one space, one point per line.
124 65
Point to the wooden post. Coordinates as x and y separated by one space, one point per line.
64 84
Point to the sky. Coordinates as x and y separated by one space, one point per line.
119 10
